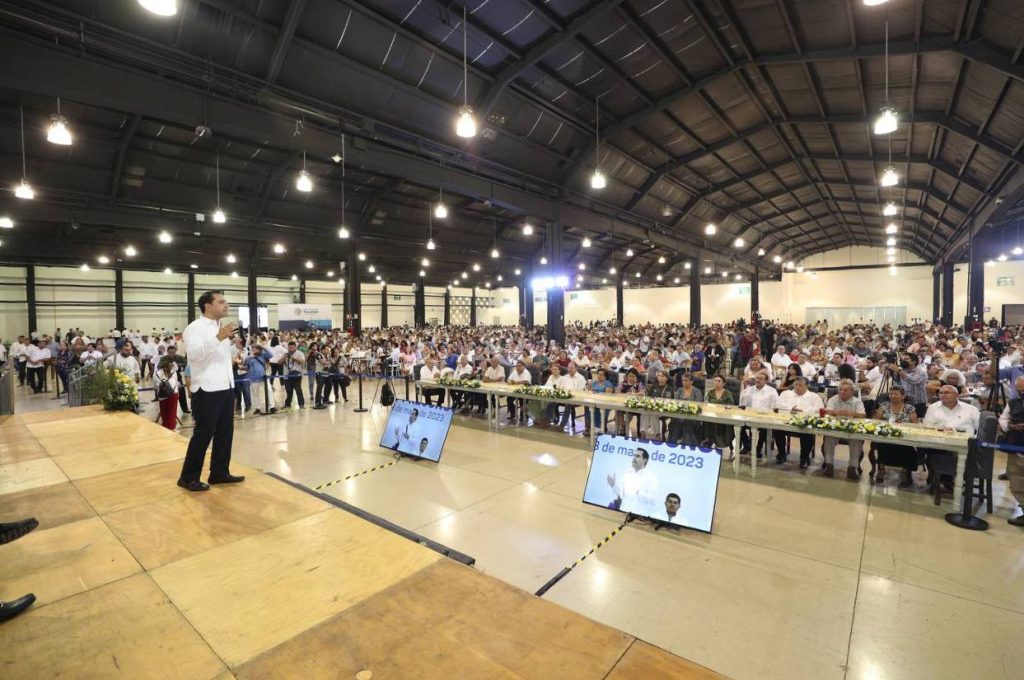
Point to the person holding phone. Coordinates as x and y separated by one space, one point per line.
208 347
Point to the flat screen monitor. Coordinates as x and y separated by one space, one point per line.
417 429
664 482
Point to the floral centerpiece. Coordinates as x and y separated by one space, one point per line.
458 382
664 405
114 389
850 425
540 391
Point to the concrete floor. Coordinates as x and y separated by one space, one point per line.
803 577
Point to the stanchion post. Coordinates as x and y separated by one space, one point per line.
360 409
266 394
407 388
965 519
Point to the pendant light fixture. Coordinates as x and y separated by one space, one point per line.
1017 249
218 215
890 209
527 229
58 132
587 242
597 180
760 252
710 229
891 228
430 232
629 251
495 254
343 231
889 176
738 243
465 124
23 190
163 8
304 182
441 210
888 119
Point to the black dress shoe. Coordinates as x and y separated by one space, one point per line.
227 479
8 610
12 531
194 485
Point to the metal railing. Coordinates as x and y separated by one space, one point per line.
7 376
79 393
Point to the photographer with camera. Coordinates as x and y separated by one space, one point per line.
294 362
912 376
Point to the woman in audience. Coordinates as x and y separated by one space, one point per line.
792 373
631 384
721 436
687 432
895 411
659 389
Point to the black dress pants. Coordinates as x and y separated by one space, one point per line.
214 414
293 386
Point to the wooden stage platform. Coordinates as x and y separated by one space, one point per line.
137 578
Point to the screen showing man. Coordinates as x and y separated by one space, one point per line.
635 490
668 483
417 429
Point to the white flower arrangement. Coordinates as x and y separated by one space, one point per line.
850 425
540 391
459 382
664 405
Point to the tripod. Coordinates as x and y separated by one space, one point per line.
997 398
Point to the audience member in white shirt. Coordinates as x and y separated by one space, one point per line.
37 356
758 397
948 413
797 400
518 376
845 405
429 371
126 362
780 360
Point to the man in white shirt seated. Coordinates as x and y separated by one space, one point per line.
126 362
574 382
808 369
795 401
758 397
950 414
518 376
844 405
494 373
780 361
429 371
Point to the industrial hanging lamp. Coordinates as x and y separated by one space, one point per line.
465 124
23 190
888 119
218 215
597 180
58 132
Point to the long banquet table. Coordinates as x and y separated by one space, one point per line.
913 435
